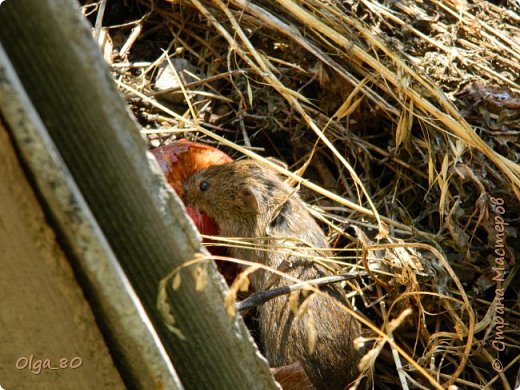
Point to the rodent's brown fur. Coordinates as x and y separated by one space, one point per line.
248 199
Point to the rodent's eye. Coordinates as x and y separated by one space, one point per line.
204 185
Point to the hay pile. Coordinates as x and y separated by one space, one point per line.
403 116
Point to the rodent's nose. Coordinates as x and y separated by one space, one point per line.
189 191
188 185
185 191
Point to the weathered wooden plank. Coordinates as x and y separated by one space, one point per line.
133 342
44 317
67 81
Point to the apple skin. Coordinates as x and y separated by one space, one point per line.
183 158
180 160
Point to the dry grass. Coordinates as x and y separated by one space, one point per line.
401 122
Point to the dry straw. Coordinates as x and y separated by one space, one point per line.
387 113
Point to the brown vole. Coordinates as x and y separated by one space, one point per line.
247 199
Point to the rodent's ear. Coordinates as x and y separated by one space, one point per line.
250 199
277 162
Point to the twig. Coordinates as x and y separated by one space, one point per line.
264 296
198 82
99 17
